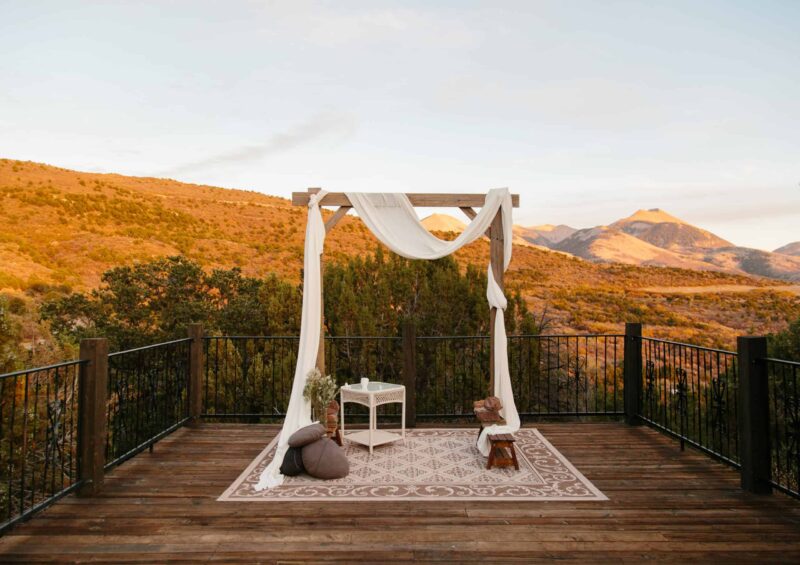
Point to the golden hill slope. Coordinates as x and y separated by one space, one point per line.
68 227
65 227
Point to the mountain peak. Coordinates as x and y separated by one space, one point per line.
651 216
668 232
443 222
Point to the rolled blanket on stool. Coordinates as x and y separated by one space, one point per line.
493 404
484 445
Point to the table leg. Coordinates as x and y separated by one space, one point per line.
371 421
341 419
403 418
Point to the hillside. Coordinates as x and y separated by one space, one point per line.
790 249
61 227
443 223
66 227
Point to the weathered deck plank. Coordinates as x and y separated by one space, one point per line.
664 505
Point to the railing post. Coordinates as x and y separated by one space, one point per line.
195 384
632 372
753 415
410 372
92 403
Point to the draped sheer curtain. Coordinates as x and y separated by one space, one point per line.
391 217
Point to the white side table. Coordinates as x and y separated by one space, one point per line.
373 396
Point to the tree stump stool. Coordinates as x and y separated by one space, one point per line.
332 428
333 432
501 451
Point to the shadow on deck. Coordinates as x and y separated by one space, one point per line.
663 504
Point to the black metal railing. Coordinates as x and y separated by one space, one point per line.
147 397
452 372
38 439
690 392
567 375
250 377
348 358
784 423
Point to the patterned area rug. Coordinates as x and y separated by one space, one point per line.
431 464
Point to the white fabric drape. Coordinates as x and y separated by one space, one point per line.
392 219
298 414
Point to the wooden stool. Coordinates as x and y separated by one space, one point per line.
501 451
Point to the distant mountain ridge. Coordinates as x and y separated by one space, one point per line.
790 249
657 238
609 245
651 238
668 232
545 235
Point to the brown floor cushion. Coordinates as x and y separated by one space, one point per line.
324 459
306 435
293 462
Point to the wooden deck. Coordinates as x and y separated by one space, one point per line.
663 505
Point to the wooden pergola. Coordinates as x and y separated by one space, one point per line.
465 202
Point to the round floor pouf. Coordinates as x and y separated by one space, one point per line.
324 459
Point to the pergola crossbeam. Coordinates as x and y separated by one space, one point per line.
441 200
470 213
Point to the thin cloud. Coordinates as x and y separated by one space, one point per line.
319 126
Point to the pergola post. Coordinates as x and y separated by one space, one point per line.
496 256
321 350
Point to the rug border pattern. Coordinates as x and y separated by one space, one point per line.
596 494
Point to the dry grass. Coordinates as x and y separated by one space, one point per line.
65 227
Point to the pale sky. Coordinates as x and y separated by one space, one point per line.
589 110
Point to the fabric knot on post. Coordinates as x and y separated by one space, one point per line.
316 198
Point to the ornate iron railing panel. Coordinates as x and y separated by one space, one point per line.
38 439
452 372
784 423
567 375
147 397
690 392
348 358
250 377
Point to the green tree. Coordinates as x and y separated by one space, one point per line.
247 306
135 305
786 344
155 301
375 294
371 296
